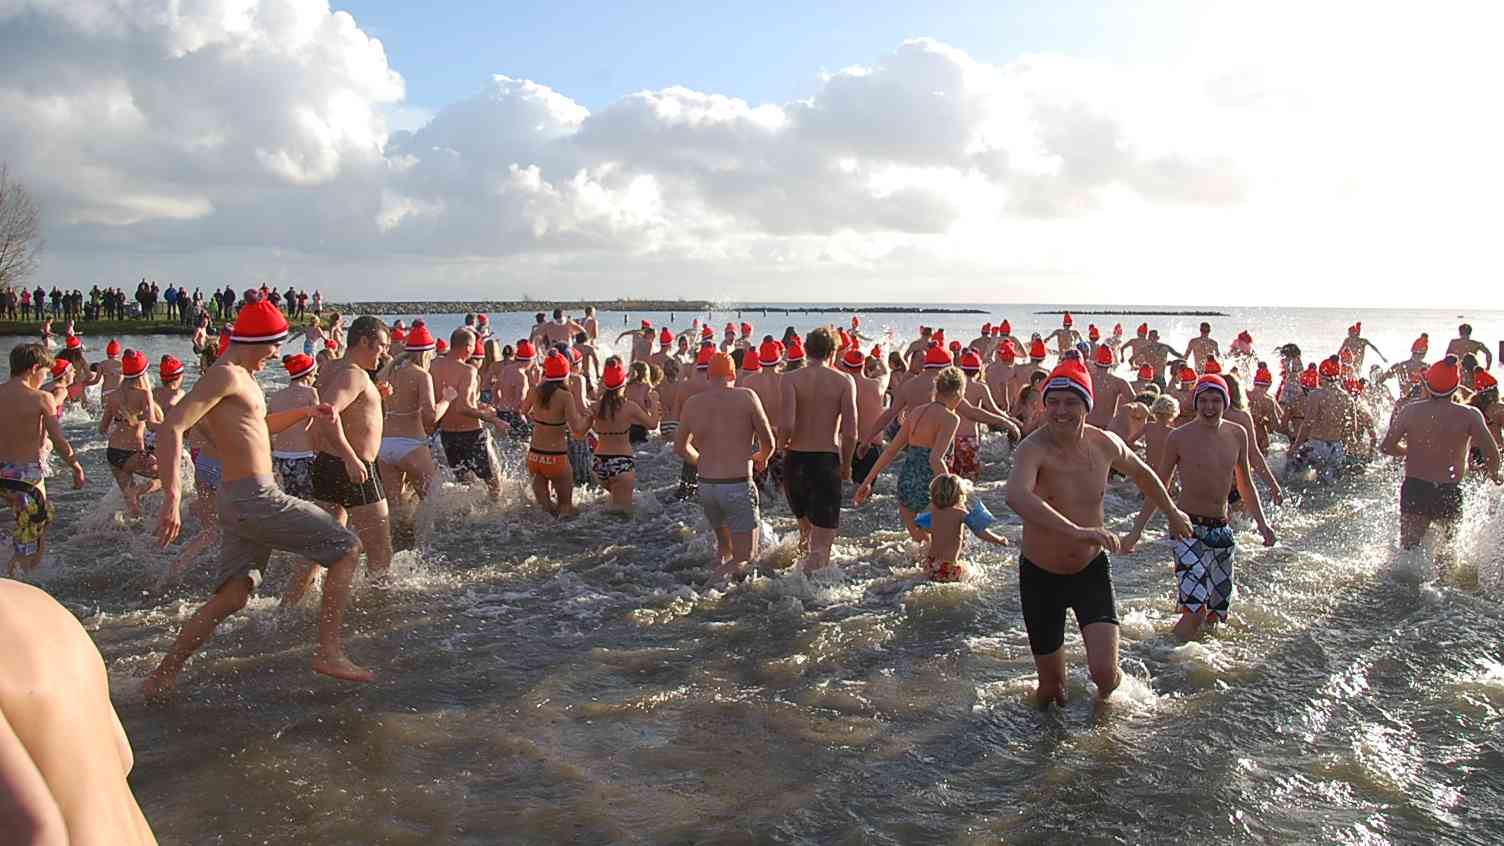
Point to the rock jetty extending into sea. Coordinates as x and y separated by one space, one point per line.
575 307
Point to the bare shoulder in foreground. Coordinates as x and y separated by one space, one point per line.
64 756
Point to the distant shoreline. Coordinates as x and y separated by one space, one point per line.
1137 313
575 307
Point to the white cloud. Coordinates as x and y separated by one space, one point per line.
174 135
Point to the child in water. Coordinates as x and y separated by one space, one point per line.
947 514
1157 432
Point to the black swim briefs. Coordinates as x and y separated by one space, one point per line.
812 482
1439 501
118 457
862 462
332 484
1045 596
467 452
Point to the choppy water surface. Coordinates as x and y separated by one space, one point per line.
545 683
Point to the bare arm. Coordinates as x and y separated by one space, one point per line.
764 431
281 421
1393 437
1244 480
788 404
1482 439
945 436
343 391
28 813
895 446
978 415
60 443
207 392
682 446
848 426
1156 497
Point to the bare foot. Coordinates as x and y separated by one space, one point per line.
342 668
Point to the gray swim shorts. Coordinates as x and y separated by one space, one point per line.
730 504
256 517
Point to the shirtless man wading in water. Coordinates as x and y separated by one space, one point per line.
718 426
255 516
27 415
1434 435
818 434
1058 481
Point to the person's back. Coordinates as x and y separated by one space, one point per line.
295 438
722 421
818 393
64 756
1437 433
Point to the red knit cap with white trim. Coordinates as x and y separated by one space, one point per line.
1070 375
259 323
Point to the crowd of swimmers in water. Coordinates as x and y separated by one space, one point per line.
325 467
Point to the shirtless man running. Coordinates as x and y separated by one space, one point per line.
1065 337
1202 347
64 757
717 428
869 407
1358 346
1329 423
557 331
466 447
1057 485
1211 455
255 516
1110 390
1434 436
818 434
767 383
27 415
1464 344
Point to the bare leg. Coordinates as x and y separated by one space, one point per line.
371 525
128 491
736 550
1051 671
542 494
916 534
1188 627
564 486
819 549
232 597
1101 641
329 657
303 571
623 488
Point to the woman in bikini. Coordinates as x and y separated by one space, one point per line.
640 390
668 395
127 412
613 418
411 413
554 416
923 439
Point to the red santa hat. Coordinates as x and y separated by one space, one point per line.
795 351
299 365
1067 320
970 361
1443 377
1105 357
170 368
133 364
555 367
613 376
525 350
420 339
1006 328
1070 375
259 323
112 349
1036 350
702 361
769 354
853 358
1262 376
1212 382
936 357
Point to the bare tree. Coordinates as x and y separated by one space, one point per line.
20 232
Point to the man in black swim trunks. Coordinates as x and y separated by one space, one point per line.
1058 481
467 447
345 480
1437 434
819 437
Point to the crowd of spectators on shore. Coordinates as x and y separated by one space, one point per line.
150 301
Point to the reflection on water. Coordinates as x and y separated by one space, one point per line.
544 683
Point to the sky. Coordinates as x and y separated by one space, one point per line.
1162 152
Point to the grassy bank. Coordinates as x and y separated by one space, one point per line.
109 328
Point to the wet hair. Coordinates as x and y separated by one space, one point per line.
1465 330
546 391
363 327
508 352
1136 409
540 317
947 490
789 333
558 314
1289 351
1235 392
611 402
23 357
895 362
1147 397
469 319
1165 406
950 382
1206 327
820 343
